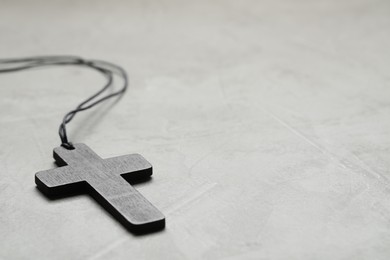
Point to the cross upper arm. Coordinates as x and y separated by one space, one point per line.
58 180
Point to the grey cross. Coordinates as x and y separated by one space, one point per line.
106 181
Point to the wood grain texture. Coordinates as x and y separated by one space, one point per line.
106 181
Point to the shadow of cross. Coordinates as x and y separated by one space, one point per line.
105 180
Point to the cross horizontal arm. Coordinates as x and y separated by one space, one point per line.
58 181
132 166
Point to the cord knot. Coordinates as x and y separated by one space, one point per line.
68 146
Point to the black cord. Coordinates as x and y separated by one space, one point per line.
106 68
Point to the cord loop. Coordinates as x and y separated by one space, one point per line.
106 68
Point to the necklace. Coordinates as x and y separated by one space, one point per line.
81 169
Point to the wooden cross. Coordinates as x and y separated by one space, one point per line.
106 181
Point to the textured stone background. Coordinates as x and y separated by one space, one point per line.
267 123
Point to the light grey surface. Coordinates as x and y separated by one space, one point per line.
267 123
